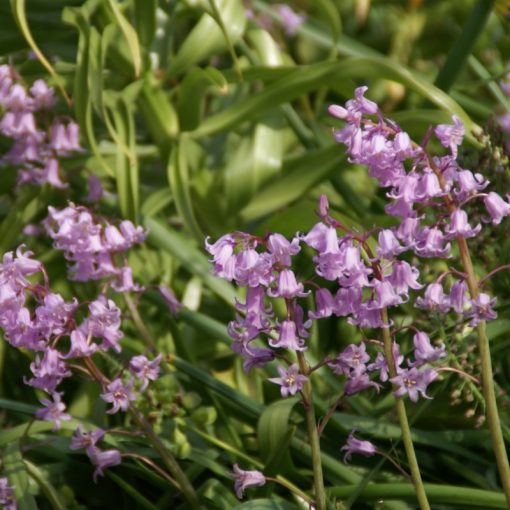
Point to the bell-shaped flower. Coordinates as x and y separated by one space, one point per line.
357 446
288 338
403 277
244 479
459 226
451 135
434 299
281 249
424 352
432 243
388 246
287 286
496 207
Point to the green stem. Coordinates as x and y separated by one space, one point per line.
169 460
491 405
403 421
313 436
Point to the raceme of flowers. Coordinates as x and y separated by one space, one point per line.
93 245
429 195
64 335
39 138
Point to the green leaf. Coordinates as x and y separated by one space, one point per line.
145 20
265 504
19 10
461 497
46 487
178 177
268 52
307 78
130 35
272 427
191 98
134 493
15 470
298 176
463 46
206 37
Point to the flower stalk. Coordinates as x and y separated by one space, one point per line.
404 422
313 436
491 405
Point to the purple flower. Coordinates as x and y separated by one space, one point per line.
281 250
103 459
53 410
451 135
496 207
324 305
170 299
96 190
388 245
244 479
43 96
413 382
459 226
119 395
481 309
144 369
404 276
85 439
351 361
458 297
423 350
291 20
290 380
54 314
431 243
257 314
381 364
359 383
434 299
354 445
288 287
223 256
385 296
81 346
104 322
287 338
48 371
7 498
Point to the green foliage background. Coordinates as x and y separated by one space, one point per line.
199 121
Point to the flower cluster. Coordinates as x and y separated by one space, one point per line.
365 291
62 334
39 139
93 245
370 280
421 195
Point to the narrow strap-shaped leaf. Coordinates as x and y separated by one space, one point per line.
130 36
18 7
460 497
464 44
16 472
178 177
46 487
192 259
